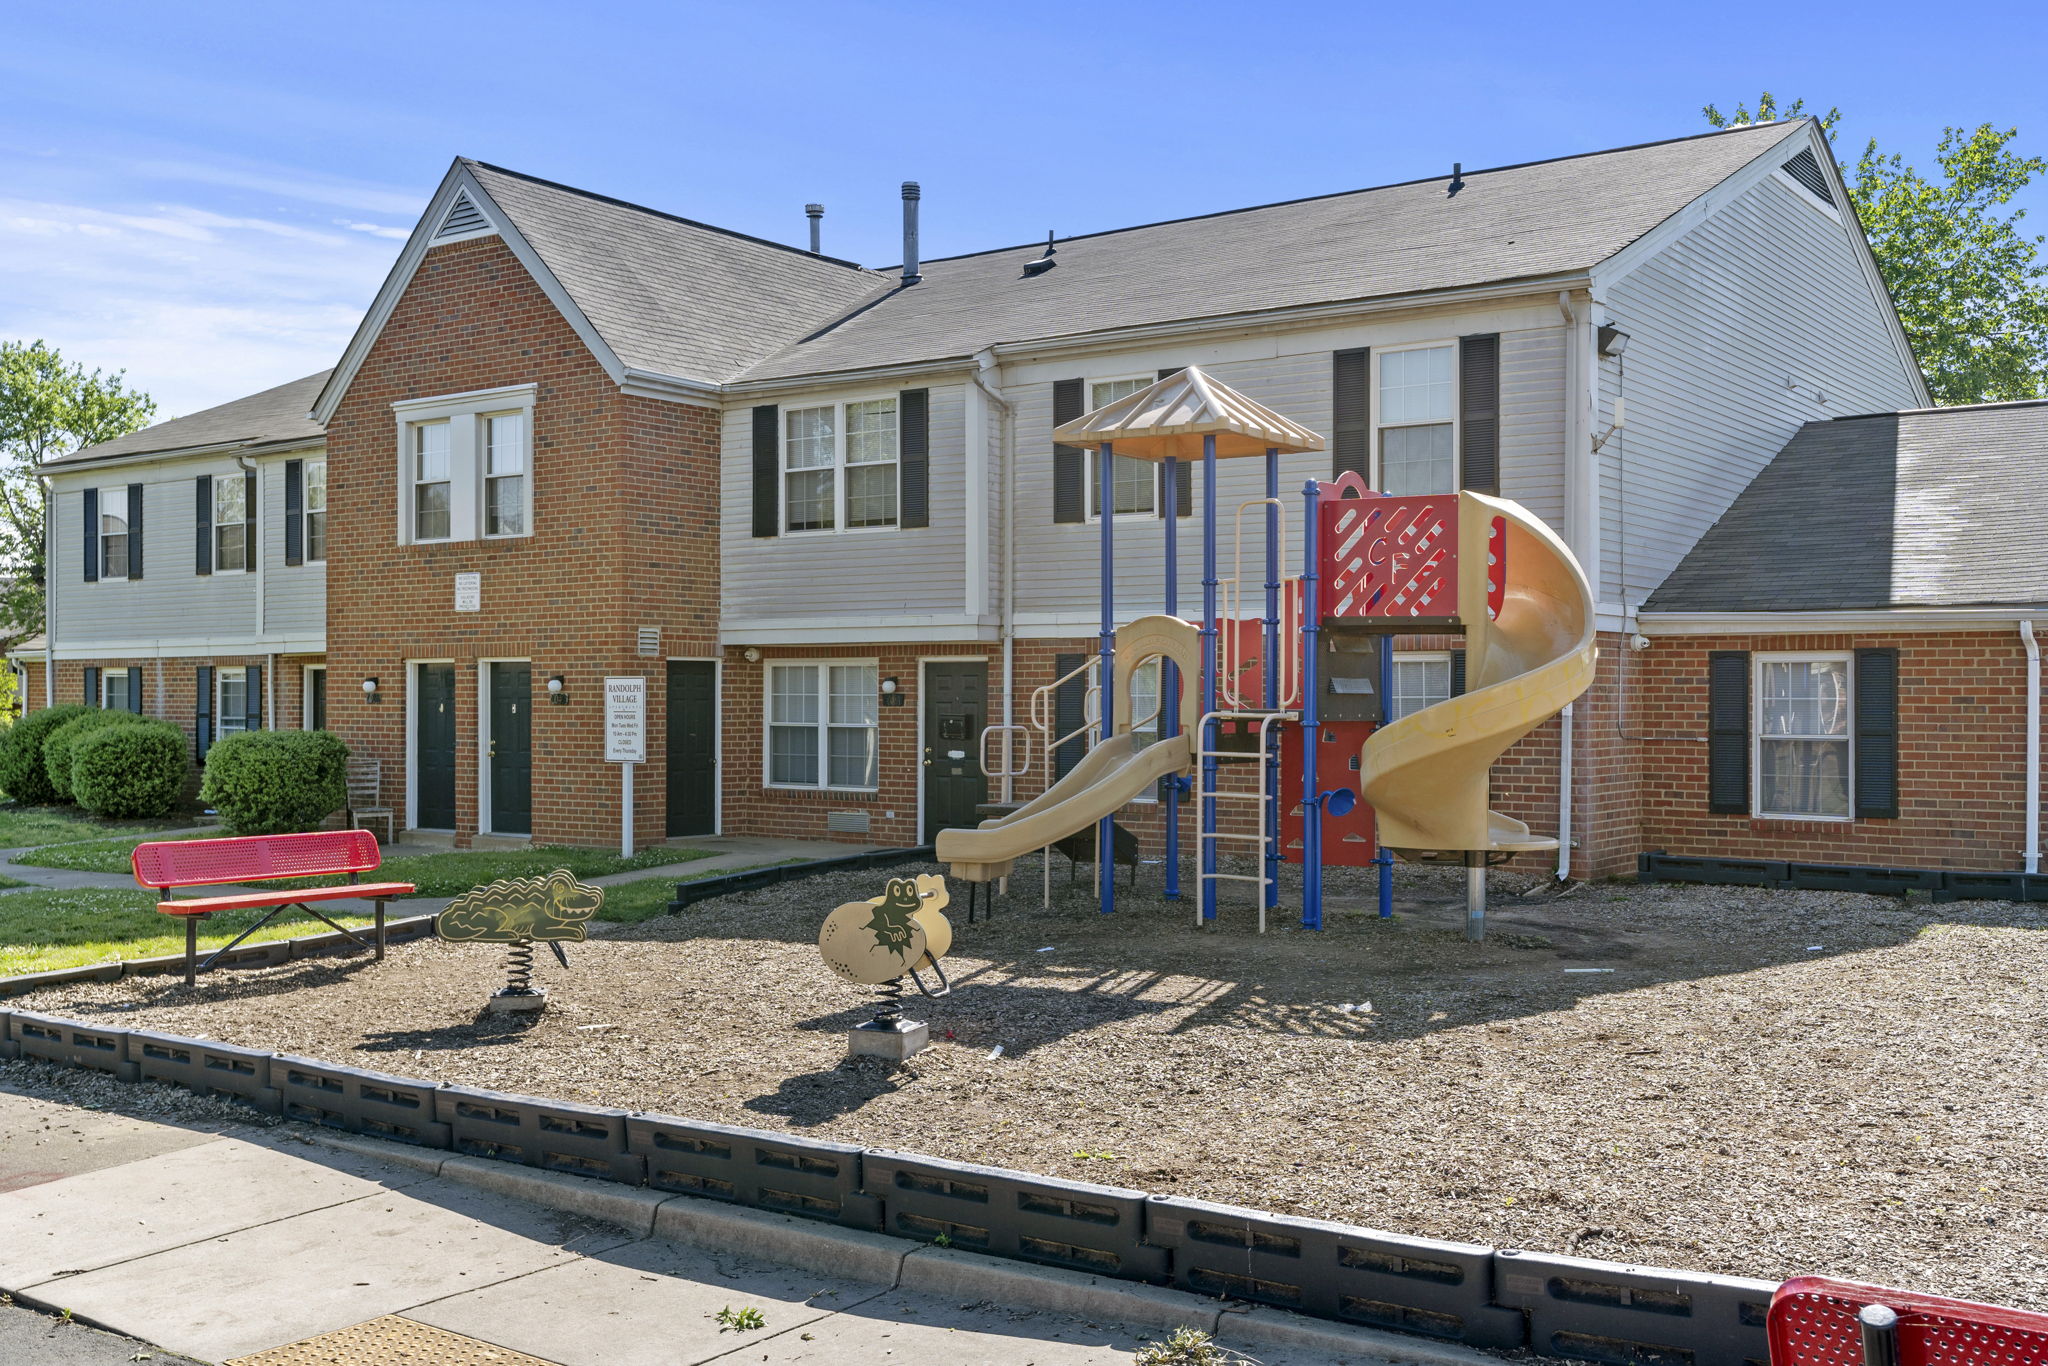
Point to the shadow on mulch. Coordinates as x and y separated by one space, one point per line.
815 1098
486 1030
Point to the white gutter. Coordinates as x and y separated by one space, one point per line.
2033 745
985 362
49 596
1829 622
1564 794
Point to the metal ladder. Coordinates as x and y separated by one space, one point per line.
1266 757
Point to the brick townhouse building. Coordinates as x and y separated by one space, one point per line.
817 509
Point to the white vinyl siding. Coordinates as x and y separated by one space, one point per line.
1803 737
822 725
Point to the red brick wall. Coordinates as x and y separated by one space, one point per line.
624 517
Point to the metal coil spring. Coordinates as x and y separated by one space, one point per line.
891 1008
519 969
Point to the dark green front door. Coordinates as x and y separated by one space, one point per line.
511 752
692 747
955 707
434 747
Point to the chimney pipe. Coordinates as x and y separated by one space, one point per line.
911 194
814 212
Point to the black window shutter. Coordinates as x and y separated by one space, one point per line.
135 688
203 548
1877 734
1457 673
1069 713
92 687
92 536
254 693
294 512
1069 463
1183 483
135 531
202 714
767 471
1728 732
1351 412
249 522
1479 413
913 470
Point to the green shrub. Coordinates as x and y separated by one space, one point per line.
57 747
274 782
22 775
129 771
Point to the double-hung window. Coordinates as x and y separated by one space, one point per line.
839 465
1416 418
1134 483
432 487
1803 735
231 701
114 691
230 523
821 726
113 532
1420 680
315 477
504 440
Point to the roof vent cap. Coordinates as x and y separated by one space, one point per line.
1043 263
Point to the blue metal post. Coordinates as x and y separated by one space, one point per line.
1209 630
1385 857
1271 777
1311 738
1169 674
1105 829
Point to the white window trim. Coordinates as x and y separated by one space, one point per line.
249 524
463 413
306 694
1092 476
484 477
1416 657
127 535
1380 353
1847 658
220 680
839 467
107 677
824 723
306 513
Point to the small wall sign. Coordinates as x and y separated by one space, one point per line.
469 592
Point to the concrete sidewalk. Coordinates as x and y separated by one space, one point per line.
218 1242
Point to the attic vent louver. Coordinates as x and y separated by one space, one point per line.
1806 170
463 217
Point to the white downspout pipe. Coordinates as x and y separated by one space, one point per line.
1564 794
2033 746
50 577
985 364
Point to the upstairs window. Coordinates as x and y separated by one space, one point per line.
431 485
1415 416
316 509
1135 485
840 466
113 533
1802 737
230 524
504 438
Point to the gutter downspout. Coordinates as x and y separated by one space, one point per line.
986 364
49 595
2033 745
1564 794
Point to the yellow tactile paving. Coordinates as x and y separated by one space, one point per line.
389 1341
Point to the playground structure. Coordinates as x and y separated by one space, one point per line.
1312 672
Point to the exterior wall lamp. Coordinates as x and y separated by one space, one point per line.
555 693
888 686
369 690
1613 341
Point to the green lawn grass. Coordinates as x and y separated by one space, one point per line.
44 930
102 856
629 903
456 871
24 826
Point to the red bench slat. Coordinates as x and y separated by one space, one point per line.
249 901
254 858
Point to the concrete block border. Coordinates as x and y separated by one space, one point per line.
752 879
268 954
925 1222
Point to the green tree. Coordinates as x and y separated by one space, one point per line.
47 409
1970 287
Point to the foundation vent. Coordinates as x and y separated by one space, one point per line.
847 822
650 642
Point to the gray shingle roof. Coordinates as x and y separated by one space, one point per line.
1934 507
670 295
1516 222
274 415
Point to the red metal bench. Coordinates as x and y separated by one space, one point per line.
166 864
1815 1321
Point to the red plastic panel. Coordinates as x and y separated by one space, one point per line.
1390 557
1349 841
1812 1322
198 863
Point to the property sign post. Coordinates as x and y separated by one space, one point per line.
625 744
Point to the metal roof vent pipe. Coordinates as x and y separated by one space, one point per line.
814 212
911 194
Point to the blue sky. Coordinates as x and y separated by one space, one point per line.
208 195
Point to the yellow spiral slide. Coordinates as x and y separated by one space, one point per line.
1426 774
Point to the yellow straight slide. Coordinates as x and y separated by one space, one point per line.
1426 774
